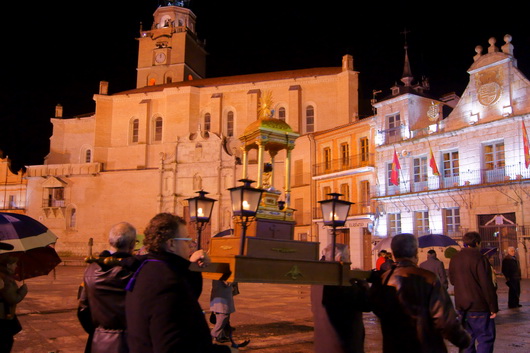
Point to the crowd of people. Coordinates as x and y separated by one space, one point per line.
411 300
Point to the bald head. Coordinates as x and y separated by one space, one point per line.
122 237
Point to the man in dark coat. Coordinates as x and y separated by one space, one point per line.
101 308
475 293
435 266
415 311
512 272
163 313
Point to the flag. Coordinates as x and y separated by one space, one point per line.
526 147
433 165
394 175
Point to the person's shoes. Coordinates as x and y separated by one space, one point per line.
221 339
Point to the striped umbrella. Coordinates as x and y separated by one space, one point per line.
23 232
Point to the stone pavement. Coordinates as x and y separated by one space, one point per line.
276 318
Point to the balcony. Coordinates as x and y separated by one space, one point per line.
470 178
360 161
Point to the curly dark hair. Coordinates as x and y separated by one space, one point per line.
161 228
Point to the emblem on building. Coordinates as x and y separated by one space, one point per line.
489 89
433 111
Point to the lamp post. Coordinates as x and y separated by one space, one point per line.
334 213
245 202
200 212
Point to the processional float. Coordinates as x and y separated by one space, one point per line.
262 249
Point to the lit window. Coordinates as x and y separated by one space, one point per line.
451 217
88 156
158 124
207 122
345 155
281 113
230 124
327 158
394 223
421 222
365 149
135 126
310 119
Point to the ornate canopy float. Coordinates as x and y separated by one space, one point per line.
262 249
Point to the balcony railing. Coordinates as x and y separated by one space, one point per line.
337 165
481 177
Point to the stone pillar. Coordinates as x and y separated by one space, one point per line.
261 149
288 176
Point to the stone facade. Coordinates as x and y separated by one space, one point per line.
147 150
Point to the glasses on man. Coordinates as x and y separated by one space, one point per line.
193 243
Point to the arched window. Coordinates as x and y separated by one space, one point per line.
281 113
157 130
72 220
135 127
207 122
230 124
309 119
88 155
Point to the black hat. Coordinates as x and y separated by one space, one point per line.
6 246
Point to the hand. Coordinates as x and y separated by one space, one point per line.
493 315
23 289
201 258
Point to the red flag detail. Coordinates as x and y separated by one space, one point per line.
526 147
394 175
433 165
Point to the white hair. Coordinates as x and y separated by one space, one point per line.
122 236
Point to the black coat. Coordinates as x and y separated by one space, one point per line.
511 269
415 311
163 314
471 274
101 308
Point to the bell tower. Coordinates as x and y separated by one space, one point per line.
170 51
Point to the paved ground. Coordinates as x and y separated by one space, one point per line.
276 318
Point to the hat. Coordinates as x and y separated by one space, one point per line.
6 246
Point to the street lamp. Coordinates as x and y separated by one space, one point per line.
200 212
245 202
334 212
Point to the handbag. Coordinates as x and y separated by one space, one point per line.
10 326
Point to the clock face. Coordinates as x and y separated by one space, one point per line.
160 57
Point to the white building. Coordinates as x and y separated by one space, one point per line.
483 182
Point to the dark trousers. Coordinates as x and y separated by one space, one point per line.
6 343
514 291
482 330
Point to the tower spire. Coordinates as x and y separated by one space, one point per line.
407 72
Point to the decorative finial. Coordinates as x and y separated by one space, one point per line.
478 50
508 47
265 110
492 48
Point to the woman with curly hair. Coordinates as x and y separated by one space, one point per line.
162 308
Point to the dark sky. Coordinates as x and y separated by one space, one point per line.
58 51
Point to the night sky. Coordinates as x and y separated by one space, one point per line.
57 52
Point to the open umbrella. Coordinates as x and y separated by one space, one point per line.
35 262
431 240
30 242
383 245
24 232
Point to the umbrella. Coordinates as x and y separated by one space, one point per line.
431 240
383 244
489 251
35 262
23 232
